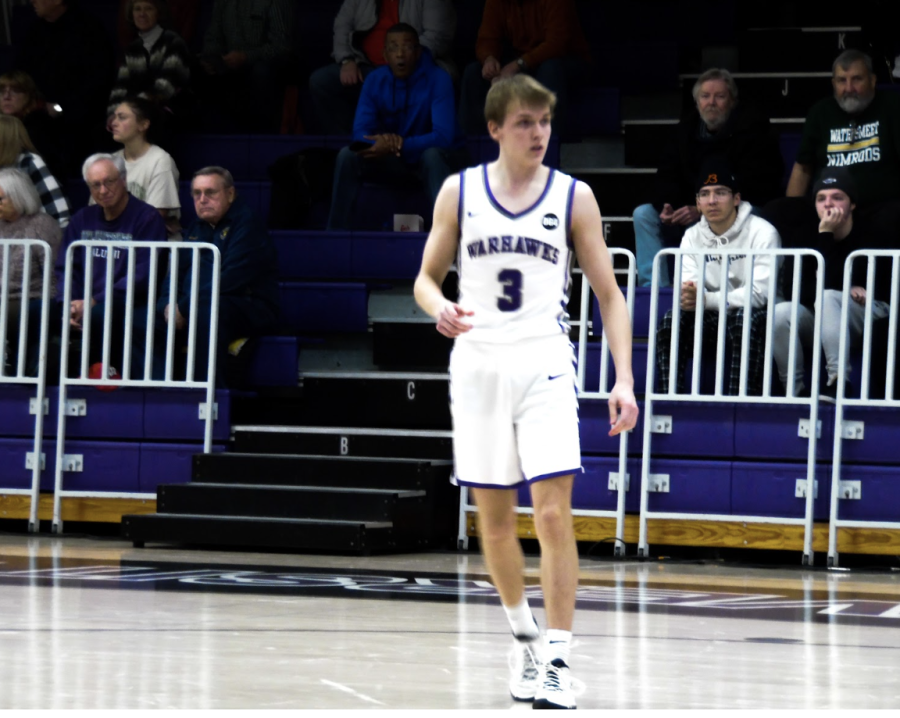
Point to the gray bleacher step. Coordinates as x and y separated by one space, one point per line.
403 507
259 532
343 441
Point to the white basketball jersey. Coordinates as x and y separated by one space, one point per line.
515 270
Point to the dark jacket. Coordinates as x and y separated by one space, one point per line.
835 254
249 264
421 109
745 141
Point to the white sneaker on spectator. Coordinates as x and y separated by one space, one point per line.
555 689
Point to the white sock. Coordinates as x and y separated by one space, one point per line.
522 622
558 643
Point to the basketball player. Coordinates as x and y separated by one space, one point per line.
515 227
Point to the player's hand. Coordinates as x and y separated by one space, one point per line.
623 409
831 219
450 320
491 68
686 216
666 215
858 295
688 296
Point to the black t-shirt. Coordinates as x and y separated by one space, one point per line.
867 144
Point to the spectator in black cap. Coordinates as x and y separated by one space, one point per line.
835 195
725 223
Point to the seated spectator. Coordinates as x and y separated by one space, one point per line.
248 283
359 30
152 174
839 234
245 58
858 128
20 98
540 37
726 223
717 125
21 218
119 217
16 150
405 129
70 56
183 14
157 62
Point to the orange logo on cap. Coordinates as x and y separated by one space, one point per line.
712 179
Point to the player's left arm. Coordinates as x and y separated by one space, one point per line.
595 262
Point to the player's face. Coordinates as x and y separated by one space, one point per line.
525 131
854 87
827 199
718 204
714 103
402 52
211 199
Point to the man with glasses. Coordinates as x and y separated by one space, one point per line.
726 223
248 279
405 130
116 216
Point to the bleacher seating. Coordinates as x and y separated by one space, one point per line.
742 460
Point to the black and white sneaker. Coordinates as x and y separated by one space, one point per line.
524 669
555 689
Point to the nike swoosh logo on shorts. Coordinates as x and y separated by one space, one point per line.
551 378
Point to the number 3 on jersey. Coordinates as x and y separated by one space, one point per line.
511 279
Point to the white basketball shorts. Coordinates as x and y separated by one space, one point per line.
515 412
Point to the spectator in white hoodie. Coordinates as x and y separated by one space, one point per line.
726 224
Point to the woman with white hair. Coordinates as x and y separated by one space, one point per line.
21 218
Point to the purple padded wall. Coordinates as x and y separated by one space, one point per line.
314 254
768 489
695 487
275 362
387 255
174 414
167 464
313 307
770 432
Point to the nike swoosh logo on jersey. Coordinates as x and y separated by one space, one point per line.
551 378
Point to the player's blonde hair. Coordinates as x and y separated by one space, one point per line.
520 88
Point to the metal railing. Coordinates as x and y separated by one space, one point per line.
840 491
19 374
134 300
585 330
651 483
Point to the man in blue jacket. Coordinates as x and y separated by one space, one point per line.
405 129
248 281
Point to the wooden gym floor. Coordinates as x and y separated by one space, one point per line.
94 623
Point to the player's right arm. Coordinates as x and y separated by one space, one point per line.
440 251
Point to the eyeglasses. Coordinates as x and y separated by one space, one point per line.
706 195
108 183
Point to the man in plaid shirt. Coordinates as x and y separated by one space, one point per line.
726 223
